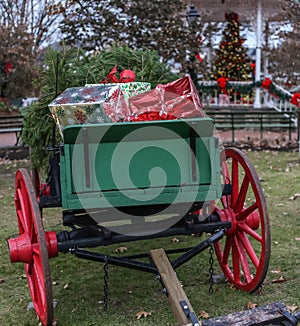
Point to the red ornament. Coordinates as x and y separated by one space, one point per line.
198 56
8 68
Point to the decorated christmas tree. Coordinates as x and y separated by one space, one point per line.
232 61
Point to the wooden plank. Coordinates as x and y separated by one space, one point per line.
265 315
172 284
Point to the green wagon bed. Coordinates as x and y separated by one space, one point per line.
140 163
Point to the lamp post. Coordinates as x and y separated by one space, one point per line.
191 15
257 103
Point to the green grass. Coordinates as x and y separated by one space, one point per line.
78 284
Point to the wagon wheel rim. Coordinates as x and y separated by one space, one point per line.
38 269
244 252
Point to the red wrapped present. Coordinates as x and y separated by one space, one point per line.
177 99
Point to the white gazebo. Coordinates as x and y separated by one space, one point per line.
253 11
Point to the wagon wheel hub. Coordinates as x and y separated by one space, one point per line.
22 248
229 215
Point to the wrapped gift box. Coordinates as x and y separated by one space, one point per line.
89 104
129 89
178 99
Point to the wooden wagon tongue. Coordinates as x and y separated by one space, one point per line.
177 298
271 314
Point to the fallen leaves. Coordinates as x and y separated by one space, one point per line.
281 279
251 305
121 250
292 308
294 197
276 271
203 314
142 314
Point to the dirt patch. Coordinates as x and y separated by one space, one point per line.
254 140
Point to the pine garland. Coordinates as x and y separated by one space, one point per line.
266 84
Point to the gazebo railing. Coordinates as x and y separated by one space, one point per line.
241 95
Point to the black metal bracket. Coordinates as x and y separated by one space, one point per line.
198 248
291 319
193 153
190 314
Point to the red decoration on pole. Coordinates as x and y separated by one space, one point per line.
126 76
222 82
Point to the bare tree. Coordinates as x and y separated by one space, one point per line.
26 26
156 25
285 58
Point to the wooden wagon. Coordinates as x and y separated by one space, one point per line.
130 181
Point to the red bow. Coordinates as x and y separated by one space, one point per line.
295 99
126 76
266 83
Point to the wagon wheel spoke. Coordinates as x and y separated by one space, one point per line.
227 249
235 182
251 233
249 249
243 258
242 215
239 204
248 240
37 268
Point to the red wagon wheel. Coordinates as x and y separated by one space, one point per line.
244 252
34 247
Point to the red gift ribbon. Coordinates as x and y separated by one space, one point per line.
126 76
152 115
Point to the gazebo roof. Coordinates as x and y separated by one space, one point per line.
214 10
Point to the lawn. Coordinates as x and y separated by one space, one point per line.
78 284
